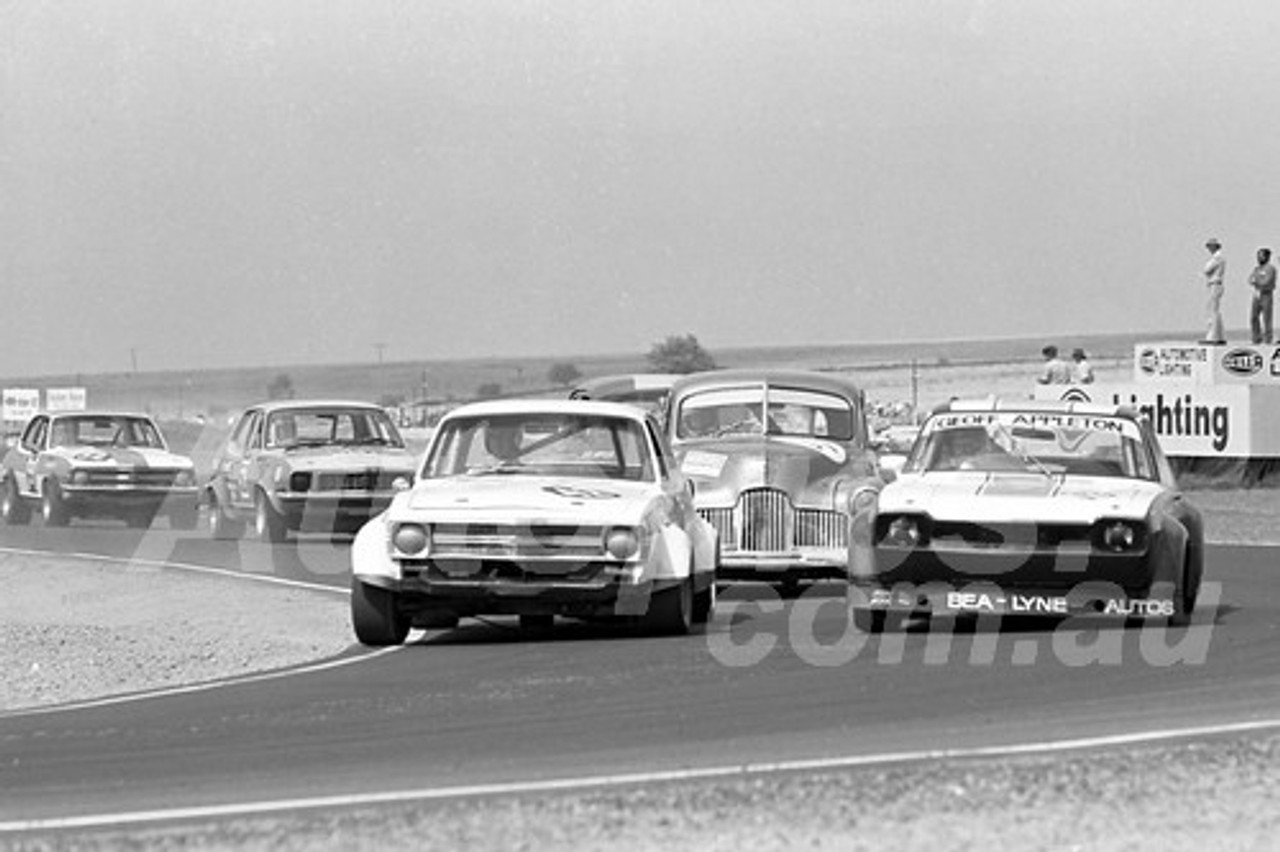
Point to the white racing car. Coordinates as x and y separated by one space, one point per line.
537 508
1029 508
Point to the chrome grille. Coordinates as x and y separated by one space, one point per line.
765 520
512 541
819 528
355 480
141 477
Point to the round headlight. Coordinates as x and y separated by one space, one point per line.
185 478
411 539
300 480
903 532
622 543
1119 536
80 477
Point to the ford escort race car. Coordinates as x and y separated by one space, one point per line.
780 464
97 464
1038 508
537 508
291 465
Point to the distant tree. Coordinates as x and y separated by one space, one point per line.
680 354
488 390
563 373
281 387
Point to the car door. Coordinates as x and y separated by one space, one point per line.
230 468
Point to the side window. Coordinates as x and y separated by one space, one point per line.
36 430
239 440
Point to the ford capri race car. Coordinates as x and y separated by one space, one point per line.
87 464
294 465
1029 508
537 508
780 464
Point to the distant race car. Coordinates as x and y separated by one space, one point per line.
296 465
537 508
1029 508
97 464
780 464
647 390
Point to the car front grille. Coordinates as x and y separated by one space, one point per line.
764 521
540 541
140 477
355 480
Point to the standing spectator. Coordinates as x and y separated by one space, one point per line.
1082 371
1215 271
1263 280
1056 371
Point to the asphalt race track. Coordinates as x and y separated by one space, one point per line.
485 705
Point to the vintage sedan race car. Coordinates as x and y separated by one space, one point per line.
97 464
537 508
780 464
1029 508
321 465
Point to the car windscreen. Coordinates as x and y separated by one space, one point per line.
98 431
540 444
311 427
751 410
1034 442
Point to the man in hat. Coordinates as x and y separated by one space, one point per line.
1082 370
1263 281
1214 273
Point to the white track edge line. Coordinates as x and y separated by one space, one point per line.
587 782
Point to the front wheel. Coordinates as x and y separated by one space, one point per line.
267 522
221 526
671 610
13 508
376 617
52 507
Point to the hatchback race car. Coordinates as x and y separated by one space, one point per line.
294 465
97 464
1036 508
537 509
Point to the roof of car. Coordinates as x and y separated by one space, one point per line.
833 382
625 382
1053 406
548 406
291 404
98 413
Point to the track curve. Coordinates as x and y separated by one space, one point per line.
769 682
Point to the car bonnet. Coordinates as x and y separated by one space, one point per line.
977 496
513 498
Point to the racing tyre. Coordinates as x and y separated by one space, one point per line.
12 507
704 603
52 507
222 527
377 620
537 622
877 620
267 522
671 610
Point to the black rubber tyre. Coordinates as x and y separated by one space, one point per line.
378 622
537 622
13 508
704 604
222 527
52 507
790 588
268 524
671 611
870 620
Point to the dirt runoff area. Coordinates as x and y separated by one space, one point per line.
103 628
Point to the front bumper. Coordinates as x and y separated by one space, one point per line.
321 509
1086 599
111 499
602 597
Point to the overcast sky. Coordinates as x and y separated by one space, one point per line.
270 182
